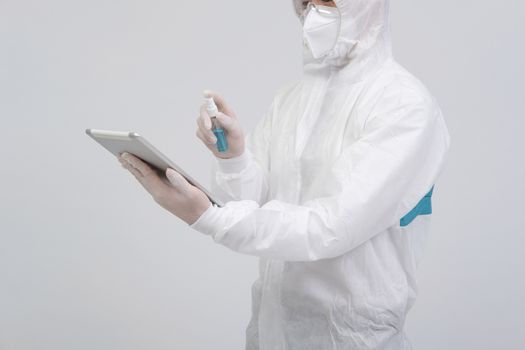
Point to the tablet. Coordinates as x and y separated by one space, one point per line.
122 141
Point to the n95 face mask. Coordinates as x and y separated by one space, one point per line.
321 29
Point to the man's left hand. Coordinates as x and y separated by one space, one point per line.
173 192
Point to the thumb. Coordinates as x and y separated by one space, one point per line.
177 180
226 122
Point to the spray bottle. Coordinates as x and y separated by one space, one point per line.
218 131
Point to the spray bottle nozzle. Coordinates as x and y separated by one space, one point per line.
211 107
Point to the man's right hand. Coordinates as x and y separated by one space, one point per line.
228 120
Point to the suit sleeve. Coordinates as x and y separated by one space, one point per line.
384 174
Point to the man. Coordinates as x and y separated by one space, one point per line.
331 190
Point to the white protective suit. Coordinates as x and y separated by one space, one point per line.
333 194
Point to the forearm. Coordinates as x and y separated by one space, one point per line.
277 230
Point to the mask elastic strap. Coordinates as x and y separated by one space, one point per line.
308 8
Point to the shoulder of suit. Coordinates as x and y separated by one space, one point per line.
398 84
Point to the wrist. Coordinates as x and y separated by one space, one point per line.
234 164
198 213
200 223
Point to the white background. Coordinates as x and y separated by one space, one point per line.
89 261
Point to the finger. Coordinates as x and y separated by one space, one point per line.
177 181
205 117
122 161
207 135
206 140
152 181
228 123
220 102
138 164
205 130
133 171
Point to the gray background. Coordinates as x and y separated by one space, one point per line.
89 261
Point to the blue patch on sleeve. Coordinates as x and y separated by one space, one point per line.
424 207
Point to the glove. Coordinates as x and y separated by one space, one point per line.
173 192
228 121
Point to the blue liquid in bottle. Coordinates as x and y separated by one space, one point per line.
222 143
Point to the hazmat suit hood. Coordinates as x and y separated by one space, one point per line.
364 36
